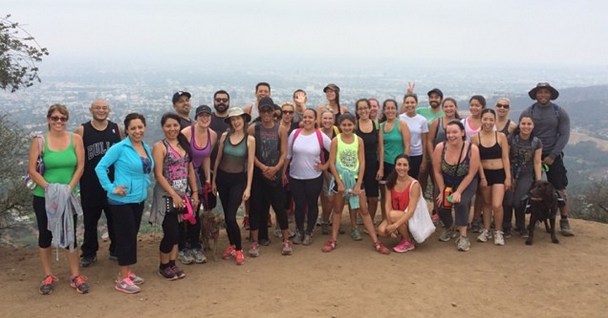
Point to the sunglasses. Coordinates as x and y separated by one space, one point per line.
502 106
287 112
221 100
59 118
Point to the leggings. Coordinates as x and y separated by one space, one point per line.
514 200
45 237
171 228
189 235
230 187
263 195
127 218
461 209
305 195
415 163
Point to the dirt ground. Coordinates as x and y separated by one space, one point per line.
515 280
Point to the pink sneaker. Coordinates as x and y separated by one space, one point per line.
404 246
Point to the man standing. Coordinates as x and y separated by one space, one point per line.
181 104
262 89
98 135
552 127
221 103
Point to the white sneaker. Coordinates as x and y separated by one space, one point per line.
499 238
484 236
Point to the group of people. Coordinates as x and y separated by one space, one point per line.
291 157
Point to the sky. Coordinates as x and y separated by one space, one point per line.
248 32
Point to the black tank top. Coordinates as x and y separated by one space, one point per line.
96 143
494 152
370 143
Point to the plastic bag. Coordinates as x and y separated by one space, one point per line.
420 224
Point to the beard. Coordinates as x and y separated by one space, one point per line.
434 104
221 107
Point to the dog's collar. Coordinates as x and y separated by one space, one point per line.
536 199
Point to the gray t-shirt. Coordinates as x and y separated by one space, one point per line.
551 126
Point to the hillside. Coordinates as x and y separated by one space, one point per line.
543 280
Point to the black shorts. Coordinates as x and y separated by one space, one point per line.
370 184
388 169
495 176
557 174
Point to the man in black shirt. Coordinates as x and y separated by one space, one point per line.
98 135
181 104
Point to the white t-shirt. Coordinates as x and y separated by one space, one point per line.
417 126
305 154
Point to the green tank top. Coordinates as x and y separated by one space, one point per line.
393 143
59 166
347 155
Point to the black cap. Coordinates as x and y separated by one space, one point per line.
435 91
266 102
203 109
179 94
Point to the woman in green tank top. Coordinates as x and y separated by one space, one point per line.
347 164
63 157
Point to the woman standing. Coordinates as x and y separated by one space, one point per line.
402 199
306 163
132 161
419 131
327 197
175 180
525 152
267 189
455 165
472 123
373 143
495 175
396 137
63 155
503 123
202 140
233 176
332 93
347 164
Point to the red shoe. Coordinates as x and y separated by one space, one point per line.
381 248
229 252
329 246
239 257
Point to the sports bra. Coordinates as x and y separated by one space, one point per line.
493 152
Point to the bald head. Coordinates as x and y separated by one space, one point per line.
100 109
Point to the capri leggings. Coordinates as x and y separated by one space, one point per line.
461 210
171 229
45 237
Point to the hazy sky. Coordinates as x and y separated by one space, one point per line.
554 32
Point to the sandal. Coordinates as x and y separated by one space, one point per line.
329 246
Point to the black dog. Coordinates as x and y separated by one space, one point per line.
543 207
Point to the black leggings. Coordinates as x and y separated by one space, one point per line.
263 195
45 237
230 187
127 218
189 235
305 195
171 228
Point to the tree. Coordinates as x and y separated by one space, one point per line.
19 55
15 198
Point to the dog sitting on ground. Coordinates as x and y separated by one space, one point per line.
543 207
211 224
